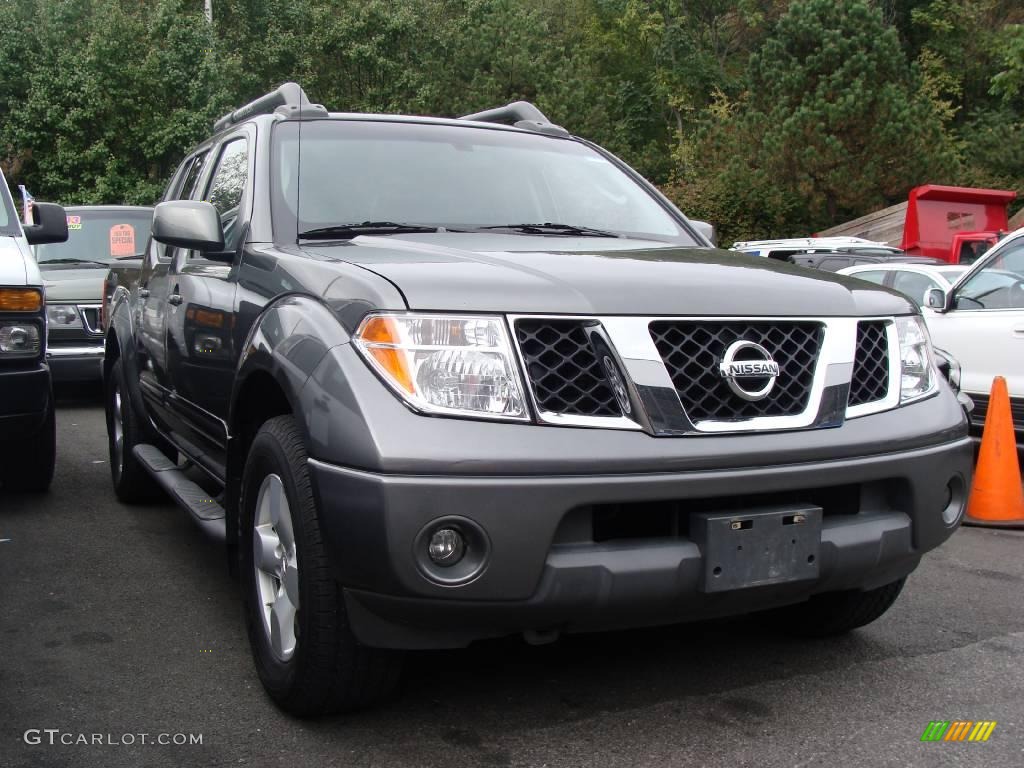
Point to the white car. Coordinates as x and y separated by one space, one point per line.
780 249
980 321
914 280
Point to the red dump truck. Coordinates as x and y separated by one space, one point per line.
955 224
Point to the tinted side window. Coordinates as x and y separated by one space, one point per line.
998 285
914 285
834 263
181 188
188 186
874 276
228 187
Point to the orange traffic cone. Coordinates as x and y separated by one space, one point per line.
996 495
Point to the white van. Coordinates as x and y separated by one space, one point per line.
27 430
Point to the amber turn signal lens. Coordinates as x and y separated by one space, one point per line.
379 334
20 300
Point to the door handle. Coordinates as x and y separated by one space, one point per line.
175 299
144 293
1019 330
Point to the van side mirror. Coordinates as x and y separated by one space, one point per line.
190 224
706 229
51 224
936 299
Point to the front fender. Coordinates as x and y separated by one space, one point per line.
121 336
287 341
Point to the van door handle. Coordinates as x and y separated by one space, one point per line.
175 299
1019 330
144 293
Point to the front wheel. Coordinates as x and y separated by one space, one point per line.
28 466
834 613
305 653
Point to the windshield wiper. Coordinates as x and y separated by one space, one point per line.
75 261
548 228
340 231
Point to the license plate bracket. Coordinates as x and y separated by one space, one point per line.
757 547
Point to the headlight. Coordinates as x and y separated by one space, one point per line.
63 315
456 365
917 369
19 339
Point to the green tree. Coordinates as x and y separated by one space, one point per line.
834 124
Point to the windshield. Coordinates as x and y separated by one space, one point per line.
453 177
99 236
8 217
952 274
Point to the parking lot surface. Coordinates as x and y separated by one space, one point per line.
120 621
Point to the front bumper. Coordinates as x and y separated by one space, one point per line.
24 400
546 572
80 362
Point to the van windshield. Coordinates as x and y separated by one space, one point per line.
458 178
99 236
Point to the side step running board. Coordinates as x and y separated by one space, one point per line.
208 514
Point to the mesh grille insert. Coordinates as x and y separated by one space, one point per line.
692 352
870 381
563 370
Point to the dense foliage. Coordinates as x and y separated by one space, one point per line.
766 117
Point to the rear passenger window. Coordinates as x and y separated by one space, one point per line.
834 263
183 189
188 186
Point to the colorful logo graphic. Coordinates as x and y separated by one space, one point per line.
958 730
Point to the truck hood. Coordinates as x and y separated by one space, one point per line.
527 274
74 284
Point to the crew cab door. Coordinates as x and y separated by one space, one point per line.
199 348
152 304
984 329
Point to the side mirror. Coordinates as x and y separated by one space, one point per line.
51 224
190 224
935 298
707 230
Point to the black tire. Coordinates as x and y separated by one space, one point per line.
29 466
834 613
329 670
132 483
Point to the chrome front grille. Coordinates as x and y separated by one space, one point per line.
692 352
563 369
667 376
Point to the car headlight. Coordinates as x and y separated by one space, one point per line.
63 315
19 339
457 365
917 368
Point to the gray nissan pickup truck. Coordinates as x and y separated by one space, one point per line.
438 380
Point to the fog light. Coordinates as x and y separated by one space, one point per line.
446 547
956 497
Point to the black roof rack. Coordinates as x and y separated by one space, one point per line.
521 114
288 100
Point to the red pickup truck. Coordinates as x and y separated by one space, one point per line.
955 224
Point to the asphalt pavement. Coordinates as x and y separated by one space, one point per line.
120 621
